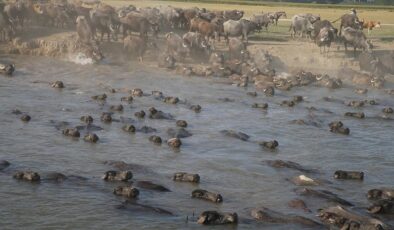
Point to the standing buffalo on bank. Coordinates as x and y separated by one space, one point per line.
241 28
233 14
324 38
137 23
349 20
320 24
262 20
301 25
277 15
104 22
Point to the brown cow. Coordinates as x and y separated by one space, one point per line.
194 22
370 25
208 29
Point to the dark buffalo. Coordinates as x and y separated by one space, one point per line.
349 20
208 16
104 22
138 23
324 38
318 25
233 14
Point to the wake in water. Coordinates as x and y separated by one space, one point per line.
81 59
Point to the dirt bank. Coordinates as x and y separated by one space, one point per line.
290 55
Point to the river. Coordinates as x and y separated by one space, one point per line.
232 167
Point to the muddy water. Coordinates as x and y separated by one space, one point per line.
229 166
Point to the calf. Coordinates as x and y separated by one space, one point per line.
370 25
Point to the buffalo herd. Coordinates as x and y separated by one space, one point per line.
200 27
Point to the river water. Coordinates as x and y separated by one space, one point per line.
229 166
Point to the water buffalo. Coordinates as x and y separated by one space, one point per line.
300 25
237 49
233 14
349 20
57 15
318 25
196 43
135 45
210 29
208 16
7 69
378 66
339 217
324 38
170 15
194 22
84 30
189 14
16 12
277 15
176 46
356 38
124 10
242 28
104 22
153 15
216 218
138 23
262 20
312 18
